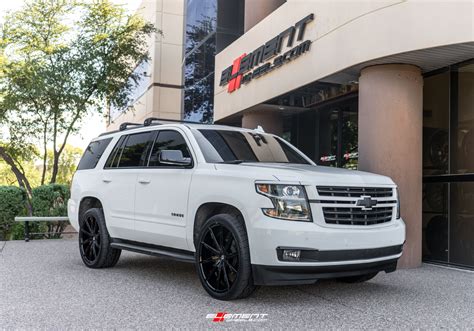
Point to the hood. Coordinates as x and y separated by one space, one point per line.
306 173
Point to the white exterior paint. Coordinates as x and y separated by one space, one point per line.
343 34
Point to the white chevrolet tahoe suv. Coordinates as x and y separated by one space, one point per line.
245 206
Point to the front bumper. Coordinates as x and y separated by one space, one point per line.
299 275
266 236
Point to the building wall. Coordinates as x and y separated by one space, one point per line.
257 10
164 95
343 34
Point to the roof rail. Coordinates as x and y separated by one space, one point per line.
150 120
124 125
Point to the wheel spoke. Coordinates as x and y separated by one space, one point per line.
229 256
211 272
207 260
226 278
228 242
221 237
87 225
215 240
231 267
86 232
219 273
209 247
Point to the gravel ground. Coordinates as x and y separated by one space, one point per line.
43 284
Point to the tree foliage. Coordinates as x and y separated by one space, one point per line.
60 61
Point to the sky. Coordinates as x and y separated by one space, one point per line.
93 125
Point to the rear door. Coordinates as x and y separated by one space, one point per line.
119 180
162 194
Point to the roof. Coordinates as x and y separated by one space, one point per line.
196 126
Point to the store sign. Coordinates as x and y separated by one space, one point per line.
249 66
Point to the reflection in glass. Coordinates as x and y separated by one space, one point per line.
435 221
463 155
199 60
436 124
461 225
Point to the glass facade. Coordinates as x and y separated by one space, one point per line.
201 22
327 129
211 25
448 165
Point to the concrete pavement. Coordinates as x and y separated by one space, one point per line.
43 284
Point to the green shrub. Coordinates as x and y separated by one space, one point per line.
18 229
12 203
51 200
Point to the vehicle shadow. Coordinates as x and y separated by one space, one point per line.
183 276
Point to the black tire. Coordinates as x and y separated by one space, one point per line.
223 258
357 279
94 241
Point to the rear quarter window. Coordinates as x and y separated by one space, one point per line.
93 153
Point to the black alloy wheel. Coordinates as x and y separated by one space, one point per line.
219 261
223 258
89 239
94 241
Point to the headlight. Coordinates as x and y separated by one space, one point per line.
289 201
398 204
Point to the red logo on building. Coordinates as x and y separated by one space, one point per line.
236 80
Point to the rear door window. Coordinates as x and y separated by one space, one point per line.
134 150
93 153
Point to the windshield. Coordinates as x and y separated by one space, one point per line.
227 146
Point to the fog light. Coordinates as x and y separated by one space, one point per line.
291 254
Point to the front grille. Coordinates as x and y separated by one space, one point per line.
354 192
357 216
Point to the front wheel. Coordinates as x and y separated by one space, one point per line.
94 241
223 258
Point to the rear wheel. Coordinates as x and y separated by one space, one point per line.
358 279
223 258
94 241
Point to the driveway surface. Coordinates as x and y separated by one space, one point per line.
43 284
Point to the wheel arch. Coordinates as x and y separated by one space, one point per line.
209 209
87 203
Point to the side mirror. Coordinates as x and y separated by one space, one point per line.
174 157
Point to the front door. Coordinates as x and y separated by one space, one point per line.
162 195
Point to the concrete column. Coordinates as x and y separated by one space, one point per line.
271 122
257 10
390 140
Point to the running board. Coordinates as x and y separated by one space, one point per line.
175 254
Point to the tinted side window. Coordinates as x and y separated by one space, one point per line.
168 140
112 161
135 150
93 153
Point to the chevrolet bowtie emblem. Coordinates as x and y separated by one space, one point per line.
366 202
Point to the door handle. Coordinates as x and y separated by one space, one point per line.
106 180
144 181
